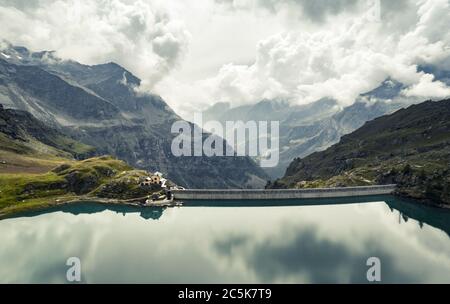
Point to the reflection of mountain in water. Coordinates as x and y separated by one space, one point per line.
153 213
303 253
146 213
437 218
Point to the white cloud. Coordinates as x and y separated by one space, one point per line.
241 51
427 87
342 59
140 35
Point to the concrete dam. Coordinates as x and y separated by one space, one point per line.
289 194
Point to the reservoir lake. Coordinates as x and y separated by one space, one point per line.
317 241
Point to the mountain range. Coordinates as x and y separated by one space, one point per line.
305 129
102 106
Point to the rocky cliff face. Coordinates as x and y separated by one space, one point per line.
21 133
410 148
102 106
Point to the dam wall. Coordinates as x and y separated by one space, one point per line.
289 194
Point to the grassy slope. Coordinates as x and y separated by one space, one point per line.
410 148
95 177
29 146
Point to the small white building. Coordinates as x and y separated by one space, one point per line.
155 179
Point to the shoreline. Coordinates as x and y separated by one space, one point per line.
55 202
136 202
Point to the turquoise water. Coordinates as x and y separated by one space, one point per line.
232 242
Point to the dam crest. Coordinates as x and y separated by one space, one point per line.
284 194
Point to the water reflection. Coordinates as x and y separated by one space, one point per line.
310 258
438 218
287 203
92 208
257 242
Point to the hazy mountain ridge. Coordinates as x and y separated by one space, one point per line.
101 106
305 129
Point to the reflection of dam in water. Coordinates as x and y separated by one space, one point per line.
284 194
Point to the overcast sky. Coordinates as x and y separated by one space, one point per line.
199 52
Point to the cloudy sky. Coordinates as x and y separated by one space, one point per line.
197 53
